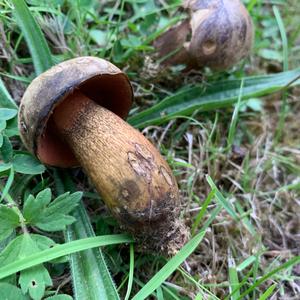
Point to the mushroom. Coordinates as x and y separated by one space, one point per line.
73 115
217 34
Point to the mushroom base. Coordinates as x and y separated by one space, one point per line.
157 230
131 176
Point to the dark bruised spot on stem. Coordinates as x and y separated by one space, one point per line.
129 191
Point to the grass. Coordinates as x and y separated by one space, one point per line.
237 166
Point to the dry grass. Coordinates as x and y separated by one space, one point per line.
258 175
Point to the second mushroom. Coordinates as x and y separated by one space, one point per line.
216 34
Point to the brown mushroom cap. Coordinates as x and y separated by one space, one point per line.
222 32
217 34
98 79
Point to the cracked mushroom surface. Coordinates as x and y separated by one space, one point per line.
73 114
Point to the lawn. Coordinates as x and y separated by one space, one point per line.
231 138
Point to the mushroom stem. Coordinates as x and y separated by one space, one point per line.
128 172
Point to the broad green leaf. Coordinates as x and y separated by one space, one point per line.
7 113
52 216
5 98
33 206
64 203
2 125
99 36
42 242
32 260
169 267
18 247
9 220
27 164
51 224
270 54
33 280
6 149
12 128
4 167
11 292
35 40
3 244
216 95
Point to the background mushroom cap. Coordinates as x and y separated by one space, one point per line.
217 34
222 32
97 78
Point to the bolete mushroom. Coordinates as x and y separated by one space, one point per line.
217 34
73 115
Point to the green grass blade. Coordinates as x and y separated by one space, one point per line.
62 250
131 271
212 216
268 292
169 267
234 120
202 212
222 200
217 95
246 263
233 278
245 218
90 275
292 262
284 105
8 184
284 38
35 40
160 294
5 98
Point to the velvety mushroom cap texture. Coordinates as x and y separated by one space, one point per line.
98 79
